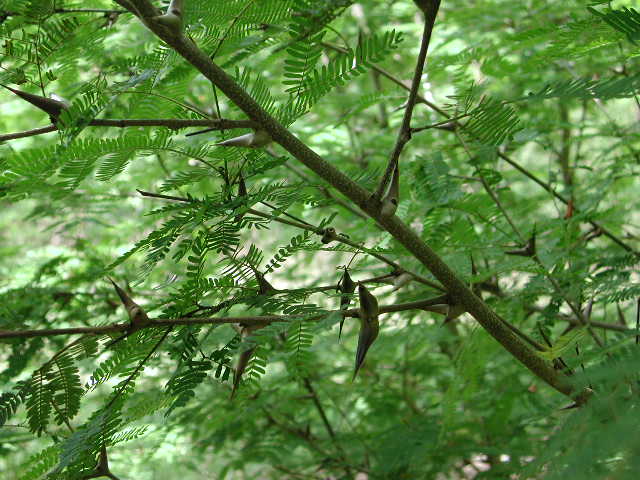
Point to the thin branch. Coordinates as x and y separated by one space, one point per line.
564 156
163 166
293 217
260 320
296 432
316 402
267 319
405 379
325 420
534 257
382 105
119 327
443 125
235 20
282 468
404 135
498 203
137 369
522 335
185 105
293 223
616 327
574 308
87 10
28 133
638 321
557 287
73 10
257 213
392 78
60 415
172 123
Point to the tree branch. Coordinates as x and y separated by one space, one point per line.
404 135
172 123
401 232
261 320
73 10
325 191
28 133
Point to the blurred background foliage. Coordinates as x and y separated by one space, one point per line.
547 95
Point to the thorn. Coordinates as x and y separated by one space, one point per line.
390 202
369 325
328 235
529 250
257 139
137 316
48 105
346 286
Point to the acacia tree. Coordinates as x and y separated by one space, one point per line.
471 229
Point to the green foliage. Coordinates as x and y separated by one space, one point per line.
314 84
524 133
491 123
9 403
299 340
40 464
182 385
626 20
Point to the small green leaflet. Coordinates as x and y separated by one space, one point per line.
565 342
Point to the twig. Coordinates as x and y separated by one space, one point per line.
443 123
325 421
292 217
405 379
616 327
296 432
249 321
28 133
393 78
564 157
235 20
638 321
534 255
137 369
172 123
404 135
72 10
382 107
87 10
183 104
316 402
